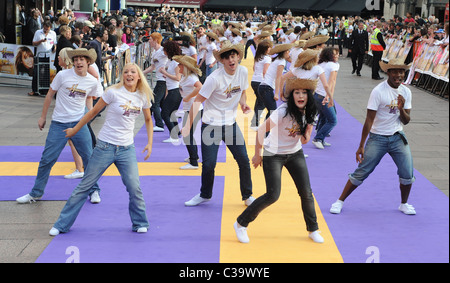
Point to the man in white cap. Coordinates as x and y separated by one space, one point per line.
389 108
73 86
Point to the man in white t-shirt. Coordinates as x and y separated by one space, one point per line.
221 94
73 86
387 111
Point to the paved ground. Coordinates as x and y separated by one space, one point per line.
24 232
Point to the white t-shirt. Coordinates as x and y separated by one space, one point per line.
258 75
72 93
121 113
186 88
159 59
99 81
202 41
312 74
294 56
47 45
189 51
328 67
271 74
223 92
293 37
236 39
285 137
249 33
384 99
171 66
209 59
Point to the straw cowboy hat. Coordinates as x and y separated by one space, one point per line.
296 83
306 56
91 54
396 63
289 31
307 35
192 38
316 40
265 34
227 46
236 31
212 35
280 48
189 63
300 43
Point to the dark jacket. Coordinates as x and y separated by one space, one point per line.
63 42
359 42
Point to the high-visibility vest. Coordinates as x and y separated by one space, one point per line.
374 43
216 21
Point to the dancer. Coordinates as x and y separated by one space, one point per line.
388 109
290 126
270 87
327 115
222 92
73 86
260 66
190 86
210 47
125 101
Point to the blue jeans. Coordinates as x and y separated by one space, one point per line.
54 144
105 154
376 147
327 118
259 104
267 93
210 70
232 136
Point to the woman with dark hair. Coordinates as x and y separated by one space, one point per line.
173 99
24 61
289 127
128 35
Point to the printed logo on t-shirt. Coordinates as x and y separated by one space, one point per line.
393 107
74 91
294 131
129 109
230 91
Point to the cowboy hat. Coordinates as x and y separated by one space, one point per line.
280 48
227 46
307 35
191 37
236 31
316 40
296 83
189 63
396 63
212 35
264 34
91 54
300 43
306 56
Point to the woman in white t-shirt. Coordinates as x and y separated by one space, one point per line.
210 47
249 34
289 127
271 82
260 66
327 115
125 101
190 86
172 101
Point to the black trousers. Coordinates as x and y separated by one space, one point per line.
376 63
357 56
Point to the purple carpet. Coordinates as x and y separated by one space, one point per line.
102 232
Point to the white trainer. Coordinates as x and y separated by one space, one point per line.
188 167
74 175
196 201
249 201
318 144
158 129
142 230
316 237
337 207
171 140
407 209
27 199
95 197
241 233
53 232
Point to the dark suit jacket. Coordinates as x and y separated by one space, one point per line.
359 43
62 43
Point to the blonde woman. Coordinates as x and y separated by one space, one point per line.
125 101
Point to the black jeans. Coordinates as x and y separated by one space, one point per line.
357 56
267 94
190 141
159 92
247 45
169 107
376 63
272 166
259 104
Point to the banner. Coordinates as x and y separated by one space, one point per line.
16 61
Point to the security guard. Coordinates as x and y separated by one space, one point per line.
377 45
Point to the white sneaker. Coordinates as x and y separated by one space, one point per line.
196 201
326 144
337 207
53 232
316 237
318 144
249 201
75 175
158 129
142 230
188 167
27 199
95 197
241 233
171 140
407 209
254 128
